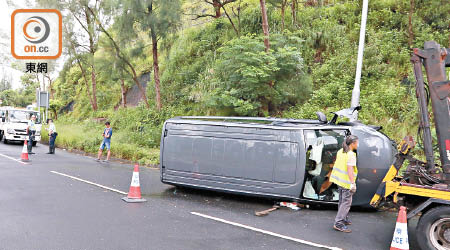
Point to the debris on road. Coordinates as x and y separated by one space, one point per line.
267 211
292 205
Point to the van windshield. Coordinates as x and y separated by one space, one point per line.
22 116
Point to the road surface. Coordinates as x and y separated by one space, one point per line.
43 207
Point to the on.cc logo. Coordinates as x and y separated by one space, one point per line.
36 29
36 34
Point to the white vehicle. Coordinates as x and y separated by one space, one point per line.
14 123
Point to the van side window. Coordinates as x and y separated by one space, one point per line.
322 147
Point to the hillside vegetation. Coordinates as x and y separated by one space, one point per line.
211 66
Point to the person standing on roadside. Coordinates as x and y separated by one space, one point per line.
31 131
107 133
344 175
52 136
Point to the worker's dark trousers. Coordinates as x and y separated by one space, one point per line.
30 140
51 148
345 202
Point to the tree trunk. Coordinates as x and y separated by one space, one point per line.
94 88
50 87
231 21
124 92
410 28
265 24
283 6
83 73
92 50
216 4
294 12
156 68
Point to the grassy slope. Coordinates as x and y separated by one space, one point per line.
88 138
329 38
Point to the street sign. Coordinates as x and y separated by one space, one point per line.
42 98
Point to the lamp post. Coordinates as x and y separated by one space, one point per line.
362 33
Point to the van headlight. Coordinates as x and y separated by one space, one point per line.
10 131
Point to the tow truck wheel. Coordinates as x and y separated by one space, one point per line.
433 229
34 143
5 141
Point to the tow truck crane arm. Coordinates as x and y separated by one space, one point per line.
425 186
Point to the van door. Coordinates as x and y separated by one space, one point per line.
322 147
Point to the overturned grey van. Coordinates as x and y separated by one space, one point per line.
270 157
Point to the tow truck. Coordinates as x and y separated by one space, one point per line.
424 188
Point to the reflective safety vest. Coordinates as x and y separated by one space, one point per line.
339 175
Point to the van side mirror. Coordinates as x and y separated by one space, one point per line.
321 117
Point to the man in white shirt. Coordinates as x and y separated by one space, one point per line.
52 136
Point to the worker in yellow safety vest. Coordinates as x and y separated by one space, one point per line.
344 175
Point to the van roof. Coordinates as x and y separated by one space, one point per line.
261 122
21 109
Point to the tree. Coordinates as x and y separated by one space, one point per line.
79 59
282 5
120 54
410 25
54 107
156 17
294 12
9 97
218 6
5 84
84 39
265 24
119 71
253 82
81 13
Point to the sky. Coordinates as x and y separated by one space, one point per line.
5 49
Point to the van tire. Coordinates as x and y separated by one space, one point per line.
424 227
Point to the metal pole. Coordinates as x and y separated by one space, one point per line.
362 34
424 119
38 104
46 107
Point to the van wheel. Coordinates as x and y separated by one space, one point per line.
433 229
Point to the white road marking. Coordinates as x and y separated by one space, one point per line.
14 159
89 182
265 231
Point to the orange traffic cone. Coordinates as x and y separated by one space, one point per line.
134 195
400 239
24 156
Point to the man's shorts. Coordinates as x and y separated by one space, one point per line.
105 143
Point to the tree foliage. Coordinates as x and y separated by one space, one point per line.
251 82
206 67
